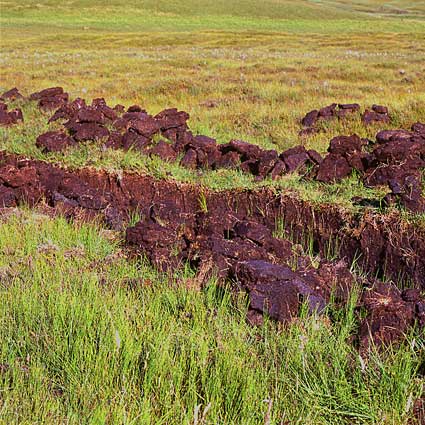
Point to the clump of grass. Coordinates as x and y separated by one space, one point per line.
203 205
135 217
87 335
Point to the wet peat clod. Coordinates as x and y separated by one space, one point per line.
396 159
231 234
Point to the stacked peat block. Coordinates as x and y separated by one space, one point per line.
50 98
396 159
8 118
378 114
327 113
136 129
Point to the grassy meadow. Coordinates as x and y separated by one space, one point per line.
89 335
239 74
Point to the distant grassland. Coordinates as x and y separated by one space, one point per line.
241 69
269 14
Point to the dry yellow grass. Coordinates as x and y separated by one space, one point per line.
238 75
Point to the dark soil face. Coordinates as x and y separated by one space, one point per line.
419 412
396 158
230 234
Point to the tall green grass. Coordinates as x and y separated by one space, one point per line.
90 336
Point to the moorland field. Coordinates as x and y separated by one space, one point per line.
92 334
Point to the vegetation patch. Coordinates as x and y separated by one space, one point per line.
257 263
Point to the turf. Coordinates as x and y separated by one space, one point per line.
88 335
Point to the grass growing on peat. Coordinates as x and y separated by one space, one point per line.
239 74
89 336
20 139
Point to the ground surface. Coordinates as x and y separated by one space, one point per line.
89 335
238 76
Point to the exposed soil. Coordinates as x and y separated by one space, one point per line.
396 159
230 234
377 113
418 412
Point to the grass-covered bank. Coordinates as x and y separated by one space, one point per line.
89 336
21 139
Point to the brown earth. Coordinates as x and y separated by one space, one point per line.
377 113
230 234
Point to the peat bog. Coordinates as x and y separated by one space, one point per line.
212 215
230 234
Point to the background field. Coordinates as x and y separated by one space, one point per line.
241 71
81 340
